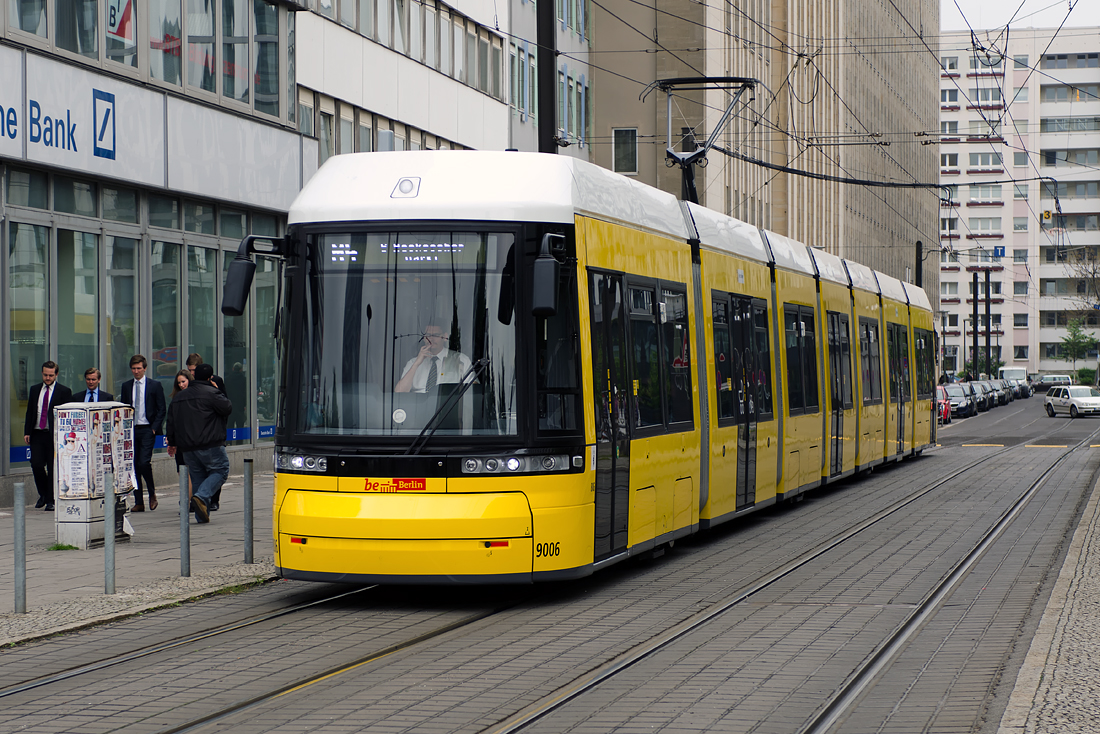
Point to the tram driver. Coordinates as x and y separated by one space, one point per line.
434 364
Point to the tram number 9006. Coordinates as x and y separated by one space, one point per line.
545 550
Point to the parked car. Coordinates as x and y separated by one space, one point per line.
1010 389
1075 400
961 400
1023 388
943 405
981 396
1048 381
990 393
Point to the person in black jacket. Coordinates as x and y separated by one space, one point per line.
196 425
38 430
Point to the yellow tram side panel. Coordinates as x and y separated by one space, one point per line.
896 312
835 297
871 441
664 491
802 437
728 274
922 432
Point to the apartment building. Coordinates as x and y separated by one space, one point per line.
1019 146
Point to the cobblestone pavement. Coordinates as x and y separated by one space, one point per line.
1055 690
65 588
1059 684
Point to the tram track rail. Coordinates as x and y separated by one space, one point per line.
191 639
861 679
604 672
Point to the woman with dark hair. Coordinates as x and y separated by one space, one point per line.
183 379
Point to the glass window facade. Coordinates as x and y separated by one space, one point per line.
107 272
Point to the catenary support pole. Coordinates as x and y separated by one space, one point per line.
109 533
20 514
988 328
185 524
974 354
248 480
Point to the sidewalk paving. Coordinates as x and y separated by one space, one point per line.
65 589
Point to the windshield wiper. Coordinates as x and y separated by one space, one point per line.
448 405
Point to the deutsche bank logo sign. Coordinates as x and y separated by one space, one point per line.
103 119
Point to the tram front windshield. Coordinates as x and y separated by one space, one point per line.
405 330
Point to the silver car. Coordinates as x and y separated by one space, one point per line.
1075 400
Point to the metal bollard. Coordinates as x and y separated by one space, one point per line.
20 550
109 533
185 524
248 477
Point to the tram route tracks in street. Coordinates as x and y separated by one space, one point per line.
302 683
172 644
603 673
845 699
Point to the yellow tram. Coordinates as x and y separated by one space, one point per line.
512 367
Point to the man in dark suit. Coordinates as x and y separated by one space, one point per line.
146 397
38 430
93 394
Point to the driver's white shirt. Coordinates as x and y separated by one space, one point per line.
450 366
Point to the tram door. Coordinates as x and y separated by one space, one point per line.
898 348
611 395
748 317
840 372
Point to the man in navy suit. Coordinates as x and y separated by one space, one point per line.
38 430
93 394
146 397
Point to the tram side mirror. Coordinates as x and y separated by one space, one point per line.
238 281
547 271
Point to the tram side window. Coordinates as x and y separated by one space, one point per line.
645 354
723 360
762 361
558 378
801 347
870 363
897 343
925 364
676 351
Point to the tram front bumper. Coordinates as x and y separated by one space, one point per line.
341 536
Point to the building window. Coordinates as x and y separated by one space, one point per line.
1019 159
985 193
1019 191
949 288
1019 94
949 160
985 160
985 95
1019 288
165 32
75 27
949 96
949 127
984 225
1019 320
949 63
626 150
1020 62
948 225
1019 224
1019 256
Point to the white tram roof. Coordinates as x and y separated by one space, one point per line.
790 254
917 296
718 232
892 287
829 266
863 278
480 185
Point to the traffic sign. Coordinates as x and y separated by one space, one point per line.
998 251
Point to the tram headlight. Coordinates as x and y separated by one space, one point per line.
518 464
300 462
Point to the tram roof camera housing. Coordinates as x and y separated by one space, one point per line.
546 273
